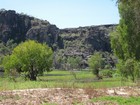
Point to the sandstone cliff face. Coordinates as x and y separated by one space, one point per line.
43 32
20 27
82 41
13 26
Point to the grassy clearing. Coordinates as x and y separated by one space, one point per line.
119 100
48 104
66 76
64 79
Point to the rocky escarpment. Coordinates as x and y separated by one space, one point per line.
81 42
21 27
13 26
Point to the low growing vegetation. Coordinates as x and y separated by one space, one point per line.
118 100
63 79
27 65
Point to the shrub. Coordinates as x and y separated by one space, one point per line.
30 58
95 63
129 69
107 73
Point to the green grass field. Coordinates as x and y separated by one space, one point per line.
64 79
119 100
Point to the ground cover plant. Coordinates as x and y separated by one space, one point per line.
72 96
117 100
58 79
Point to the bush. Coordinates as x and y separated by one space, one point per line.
116 74
107 73
30 58
129 69
95 63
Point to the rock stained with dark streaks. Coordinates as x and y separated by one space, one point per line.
82 41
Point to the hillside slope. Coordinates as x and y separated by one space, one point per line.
82 41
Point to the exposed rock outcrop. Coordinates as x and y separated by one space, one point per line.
21 27
82 41
13 26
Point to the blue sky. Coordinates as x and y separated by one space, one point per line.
67 13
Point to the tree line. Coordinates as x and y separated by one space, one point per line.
33 58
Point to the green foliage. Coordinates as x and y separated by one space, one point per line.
61 79
107 73
95 63
116 44
127 35
63 62
109 60
31 58
74 62
59 60
129 69
117 100
125 39
6 48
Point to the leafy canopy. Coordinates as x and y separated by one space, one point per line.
31 58
125 40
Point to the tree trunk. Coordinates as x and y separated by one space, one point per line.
97 75
32 74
